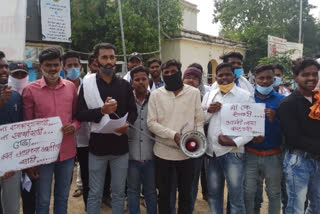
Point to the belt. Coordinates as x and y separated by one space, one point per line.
264 152
304 154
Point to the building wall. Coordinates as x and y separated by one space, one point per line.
190 14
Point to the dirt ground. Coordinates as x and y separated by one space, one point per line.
76 206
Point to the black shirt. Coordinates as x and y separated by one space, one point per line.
121 91
301 132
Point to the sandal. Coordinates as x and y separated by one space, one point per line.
77 192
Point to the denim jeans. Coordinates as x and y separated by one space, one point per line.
97 172
269 168
10 194
302 180
141 173
229 167
62 172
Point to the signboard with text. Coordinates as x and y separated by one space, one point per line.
239 119
55 20
30 143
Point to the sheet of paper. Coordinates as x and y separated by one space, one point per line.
111 125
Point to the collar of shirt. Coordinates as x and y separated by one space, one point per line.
99 78
159 84
144 100
43 83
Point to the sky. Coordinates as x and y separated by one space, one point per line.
205 16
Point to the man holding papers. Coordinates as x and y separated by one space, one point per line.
226 158
95 106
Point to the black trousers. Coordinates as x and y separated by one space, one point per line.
185 174
83 158
29 200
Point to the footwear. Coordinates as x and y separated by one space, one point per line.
77 193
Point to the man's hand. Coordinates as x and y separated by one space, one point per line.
271 114
123 130
32 173
177 137
109 108
214 107
68 129
225 141
5 94
8 175
258 139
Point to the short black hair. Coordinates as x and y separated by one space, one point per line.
138 69
49 54
279 66
99 46
226 56
153 60
70 54
171 62
91 58
302 63
263 67
196 65
224 65
317 55
2 55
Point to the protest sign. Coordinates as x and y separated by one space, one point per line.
239 119
30 143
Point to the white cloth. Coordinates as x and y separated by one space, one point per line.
127 76
235 95
18 84
92 97
243 83
284 91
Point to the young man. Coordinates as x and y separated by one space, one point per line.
170 109
225 153
94 106
92 64
10 112
52 96
236 60
203 87
263 153
301 163
134 60
141 160
18 78
277 85
155 72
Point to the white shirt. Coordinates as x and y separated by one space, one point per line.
243 83
127 77
235 95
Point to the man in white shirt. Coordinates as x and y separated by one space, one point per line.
170 108
226 153
134 60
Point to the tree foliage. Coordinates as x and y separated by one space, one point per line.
251 21
95 21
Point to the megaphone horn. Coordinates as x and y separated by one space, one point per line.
193 144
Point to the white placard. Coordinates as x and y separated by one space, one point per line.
239 119
13 28
55 20
30 143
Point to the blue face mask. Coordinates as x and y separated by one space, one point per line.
238 72
264 90
277 81
73 73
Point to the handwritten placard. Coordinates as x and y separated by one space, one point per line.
30 143
239 119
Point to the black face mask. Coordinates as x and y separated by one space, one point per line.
106 71
173 82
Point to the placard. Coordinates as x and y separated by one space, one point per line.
30 143
239 119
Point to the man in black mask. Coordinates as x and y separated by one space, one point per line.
172 111
102 97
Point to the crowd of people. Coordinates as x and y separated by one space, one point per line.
143 157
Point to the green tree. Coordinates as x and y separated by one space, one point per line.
95 21
251 21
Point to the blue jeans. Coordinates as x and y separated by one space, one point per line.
229 167
141 173
302 179
269 168
97 172
62 172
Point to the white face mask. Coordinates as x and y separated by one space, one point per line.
18 84
51 77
